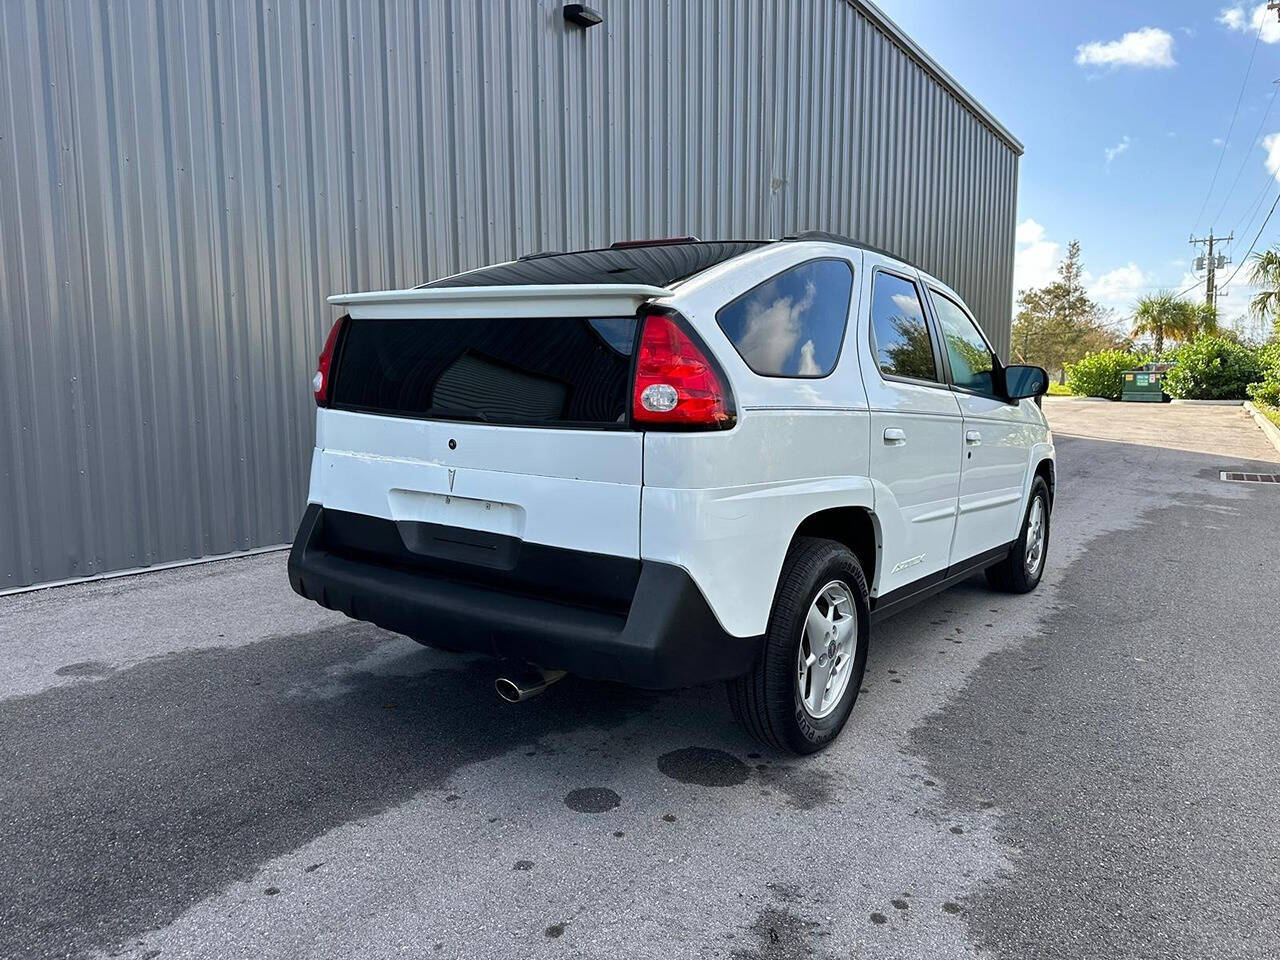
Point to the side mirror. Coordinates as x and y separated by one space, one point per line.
1021 381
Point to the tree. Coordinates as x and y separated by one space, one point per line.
912 354
1264 273
1162 315
1206 319
1057 324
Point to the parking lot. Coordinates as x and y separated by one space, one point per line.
197 763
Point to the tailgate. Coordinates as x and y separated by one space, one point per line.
508 418
576 489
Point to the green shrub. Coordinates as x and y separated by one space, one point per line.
1267 390
1212 368
1102 374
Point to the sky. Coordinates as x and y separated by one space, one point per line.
1126 110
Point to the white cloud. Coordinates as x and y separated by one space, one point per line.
1218 141
1028 232
1232 18
1117 289
909 304
1271 144
1251 20
1119 148
1035 261
772 332
1148 47
808 363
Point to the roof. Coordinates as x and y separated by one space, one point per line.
822 236
653 267
656 265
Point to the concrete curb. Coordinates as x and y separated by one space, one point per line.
1213 403
1270 429
1060 399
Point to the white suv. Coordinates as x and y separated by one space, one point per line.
670 462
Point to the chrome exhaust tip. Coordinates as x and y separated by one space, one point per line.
521 684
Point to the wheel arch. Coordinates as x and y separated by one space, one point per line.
1048 469
855 527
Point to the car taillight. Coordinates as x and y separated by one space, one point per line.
678 384
322 382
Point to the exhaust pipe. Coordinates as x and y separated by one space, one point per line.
521 683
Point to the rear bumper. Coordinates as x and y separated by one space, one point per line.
659 634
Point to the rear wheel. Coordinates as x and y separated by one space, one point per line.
1020 572
803 687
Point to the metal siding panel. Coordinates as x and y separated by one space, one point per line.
183 183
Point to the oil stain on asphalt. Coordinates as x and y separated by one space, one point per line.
592 800
782 932
704 767
803 786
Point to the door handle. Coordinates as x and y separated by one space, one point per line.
895 436
973 438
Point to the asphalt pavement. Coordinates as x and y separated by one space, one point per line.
197 763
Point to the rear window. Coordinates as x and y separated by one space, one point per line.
543 371
792 325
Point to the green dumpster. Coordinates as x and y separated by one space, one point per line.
1143 386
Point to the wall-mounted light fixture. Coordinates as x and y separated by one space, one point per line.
580 15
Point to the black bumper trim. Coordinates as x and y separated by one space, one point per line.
666 638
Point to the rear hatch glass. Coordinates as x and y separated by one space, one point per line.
570 371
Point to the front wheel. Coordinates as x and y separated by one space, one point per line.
1020 572
804 684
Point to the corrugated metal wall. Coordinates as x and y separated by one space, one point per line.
181 184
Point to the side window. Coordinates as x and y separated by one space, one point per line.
904 347
792 325
971 360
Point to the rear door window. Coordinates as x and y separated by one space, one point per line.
970 357
792 325
903 343
540 371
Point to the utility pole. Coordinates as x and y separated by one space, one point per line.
1212 263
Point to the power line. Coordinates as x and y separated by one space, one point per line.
1255 241
1247 219
1244 162
1231 126
1183 293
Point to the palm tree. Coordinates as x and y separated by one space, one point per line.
1162 315
1264 273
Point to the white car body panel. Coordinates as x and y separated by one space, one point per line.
732 537
578 489
994 472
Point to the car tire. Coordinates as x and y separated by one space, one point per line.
781 701
1021 570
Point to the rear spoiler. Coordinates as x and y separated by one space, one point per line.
540 300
